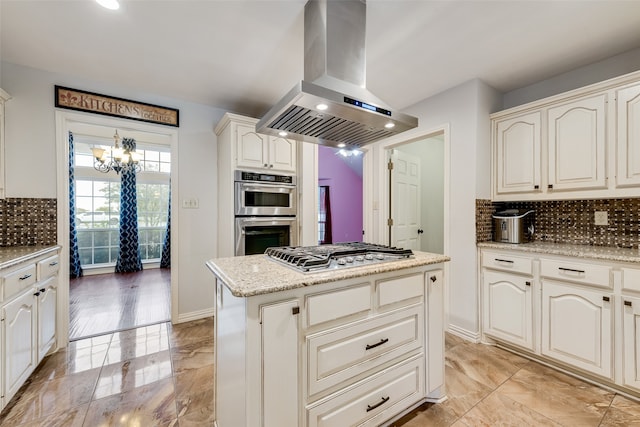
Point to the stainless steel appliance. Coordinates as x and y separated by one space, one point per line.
513 226
259 194
265 212
336 256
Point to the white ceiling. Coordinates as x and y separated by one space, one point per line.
244 55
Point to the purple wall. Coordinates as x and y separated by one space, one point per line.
344 177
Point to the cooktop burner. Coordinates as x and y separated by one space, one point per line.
338 255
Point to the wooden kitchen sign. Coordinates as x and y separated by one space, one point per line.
80 100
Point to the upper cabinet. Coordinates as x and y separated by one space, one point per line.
4 97
580 144
254 151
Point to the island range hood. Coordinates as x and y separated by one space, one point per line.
331 106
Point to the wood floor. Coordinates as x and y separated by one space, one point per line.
105 303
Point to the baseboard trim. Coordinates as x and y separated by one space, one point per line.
463 333
194 315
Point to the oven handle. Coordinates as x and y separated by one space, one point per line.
270 219
245 186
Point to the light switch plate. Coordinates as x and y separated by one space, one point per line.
601 218
192 203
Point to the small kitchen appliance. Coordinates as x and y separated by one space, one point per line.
513 226
336 256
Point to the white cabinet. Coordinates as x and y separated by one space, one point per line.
47 293
20 340
628 133
576 144
4 97
631 341
576 326
508 307
517 154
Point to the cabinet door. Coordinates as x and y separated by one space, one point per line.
282 154
251 148
507 308
628 156
576 327
577 141
47 303
19 341
280 400
631 340
435 333
517 151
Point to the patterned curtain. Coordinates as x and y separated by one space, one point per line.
129 259
165 260
75 269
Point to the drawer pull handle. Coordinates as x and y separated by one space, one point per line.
42 290
528 283
605 299
382 402
628 303
571 270
25 277
51 264
382 341
37 294
504 260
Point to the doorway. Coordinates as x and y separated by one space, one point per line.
126 300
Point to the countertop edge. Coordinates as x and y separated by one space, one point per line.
602 253
37 252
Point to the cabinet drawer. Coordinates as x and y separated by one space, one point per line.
335 305
18 280
507 262
590 274
374 401
631 279
342 354
400 291
48 267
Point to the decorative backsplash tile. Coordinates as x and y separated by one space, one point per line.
25 222
571 221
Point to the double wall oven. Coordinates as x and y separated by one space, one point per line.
265 212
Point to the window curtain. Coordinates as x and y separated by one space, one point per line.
165 259
328 233
75 269
129 259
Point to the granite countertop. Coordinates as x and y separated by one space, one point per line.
251 275
13 255
606 253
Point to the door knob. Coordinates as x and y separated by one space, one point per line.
420 231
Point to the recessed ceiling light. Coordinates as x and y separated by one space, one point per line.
322 107
390 125
109 4
282 133
342 145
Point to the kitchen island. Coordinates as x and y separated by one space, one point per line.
358 345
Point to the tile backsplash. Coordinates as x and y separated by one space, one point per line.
25 222
571 221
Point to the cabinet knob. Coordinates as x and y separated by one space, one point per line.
550 186
42 290
37 294
628 303
270 166
433 278
536 187
605 299
265 165
528 283
420 231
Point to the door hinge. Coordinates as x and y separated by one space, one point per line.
390 165
295 310
390 222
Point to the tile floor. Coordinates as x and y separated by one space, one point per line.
162 375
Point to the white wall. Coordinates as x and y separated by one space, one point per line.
31 167
465 108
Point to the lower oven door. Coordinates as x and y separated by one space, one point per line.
255 234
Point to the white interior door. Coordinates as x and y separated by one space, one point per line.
405 200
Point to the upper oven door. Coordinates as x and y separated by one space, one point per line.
255 199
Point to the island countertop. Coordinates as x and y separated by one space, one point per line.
251 275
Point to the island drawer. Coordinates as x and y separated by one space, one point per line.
507 262
48 267
342 354
375 400
400 291
590 274
17 280
342 304
631 279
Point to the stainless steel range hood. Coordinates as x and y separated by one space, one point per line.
331 106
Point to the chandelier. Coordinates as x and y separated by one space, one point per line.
115 158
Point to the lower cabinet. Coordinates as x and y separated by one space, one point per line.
47 293
508 309
576 326
631 341
20 341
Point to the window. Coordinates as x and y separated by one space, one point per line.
98 203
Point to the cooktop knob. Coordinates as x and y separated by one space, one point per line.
380 256
368 257
359 258
349 259
342 261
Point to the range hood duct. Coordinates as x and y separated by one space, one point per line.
334 76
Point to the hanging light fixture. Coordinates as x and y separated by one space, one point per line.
115 158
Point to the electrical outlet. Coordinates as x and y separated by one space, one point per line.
601 218
192 203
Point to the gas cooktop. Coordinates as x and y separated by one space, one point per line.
335 256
